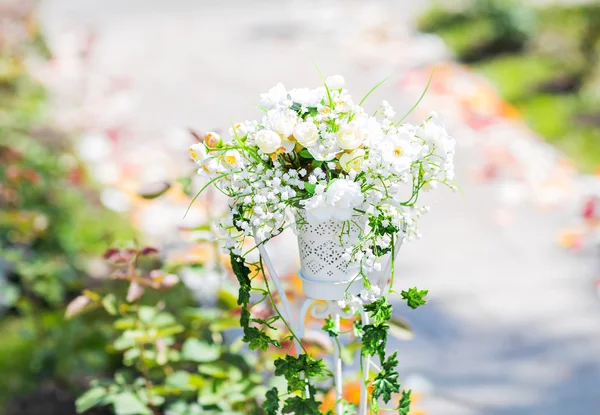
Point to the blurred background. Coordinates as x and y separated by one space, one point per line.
97 101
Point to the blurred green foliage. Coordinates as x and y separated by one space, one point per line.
175 356
553 77
51 224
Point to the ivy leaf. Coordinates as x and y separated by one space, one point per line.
374 339
380 309
242 273
271 405
329 328
257 339
264 322
414 298
298 405
291 367
404 404
386 381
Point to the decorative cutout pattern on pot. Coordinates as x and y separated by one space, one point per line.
322 247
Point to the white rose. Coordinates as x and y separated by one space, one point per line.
344 195
352 160
232 159
198 152
335 82
338 202
284 124
350 137
306 133
268 141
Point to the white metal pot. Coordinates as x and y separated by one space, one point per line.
325 274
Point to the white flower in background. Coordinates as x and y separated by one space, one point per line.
275 97
308 97
353 160
212 139
400 152
438 139
282 122
338 202
306 133
239 130
210 167
350 137
268 141
198 152
232 159
335 82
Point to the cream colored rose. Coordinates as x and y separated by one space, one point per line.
350 137
268 141
352 160
306 133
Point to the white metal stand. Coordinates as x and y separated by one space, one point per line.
328 309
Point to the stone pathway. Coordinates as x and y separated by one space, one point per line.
513 324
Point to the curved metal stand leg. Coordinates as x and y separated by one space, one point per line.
365 363
337 366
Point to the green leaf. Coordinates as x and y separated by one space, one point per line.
224 323
89 399
386 381
154 190
298 405
414 298
126 403
329 328
9 294
199 351
242 273
257 339
110 304
292 367
404 404
374 339
305 154
180 379
380 309
310 188
271 404
147 313
226 300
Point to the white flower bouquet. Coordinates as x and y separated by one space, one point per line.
315 161
348 183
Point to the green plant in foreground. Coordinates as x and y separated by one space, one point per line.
174 363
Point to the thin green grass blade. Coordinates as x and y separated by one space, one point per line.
420 98
373 89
